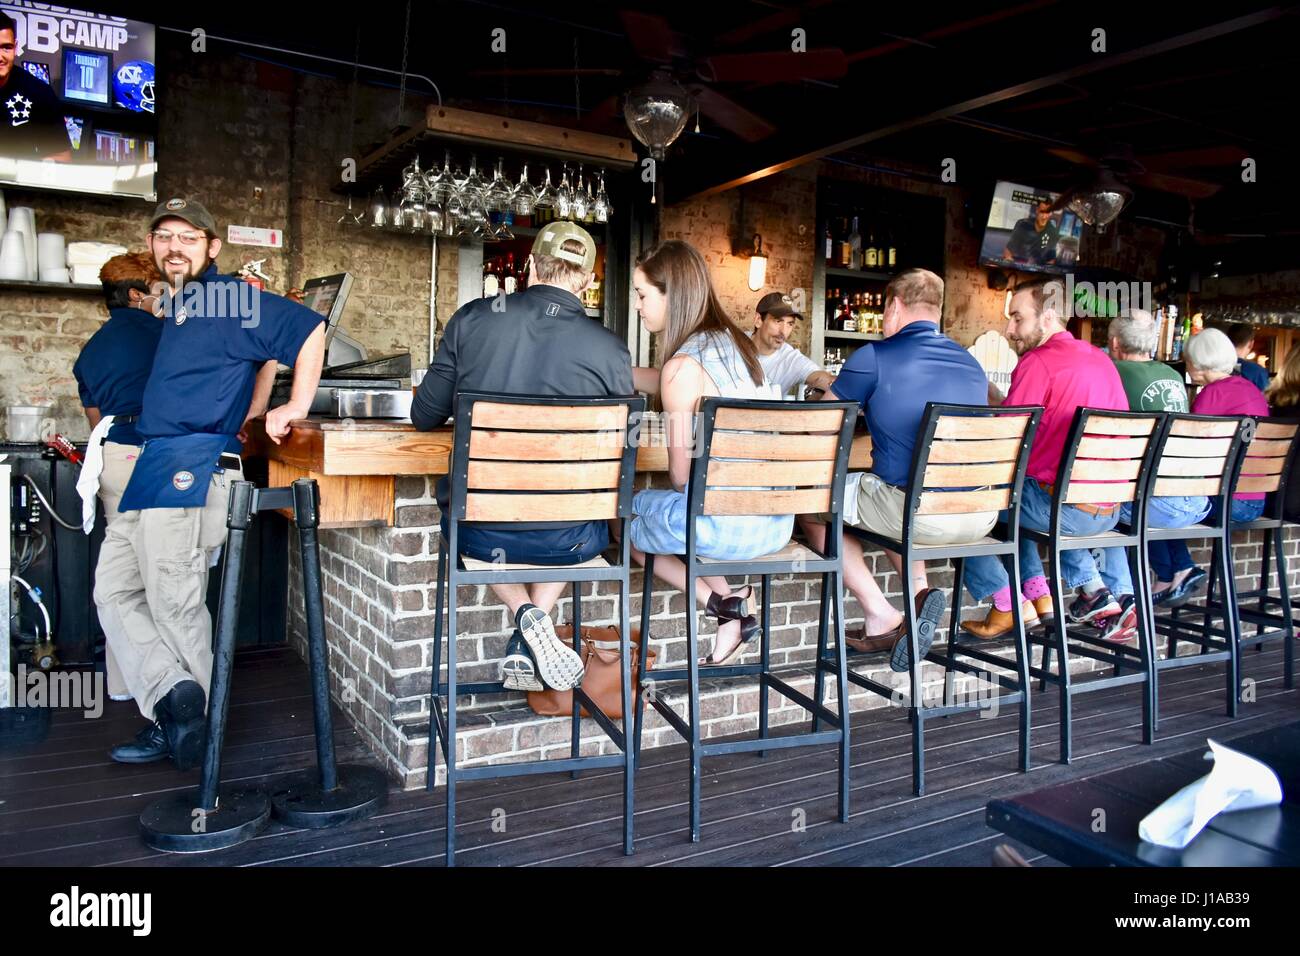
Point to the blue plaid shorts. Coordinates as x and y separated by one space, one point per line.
659 527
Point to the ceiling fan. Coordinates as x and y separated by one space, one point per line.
1156 171
661 51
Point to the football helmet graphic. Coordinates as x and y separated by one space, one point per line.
133 86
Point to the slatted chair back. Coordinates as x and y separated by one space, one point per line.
544 460
1198 455
970 459
759 457
1107 458
1268 463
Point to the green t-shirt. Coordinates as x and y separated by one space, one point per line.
1152 387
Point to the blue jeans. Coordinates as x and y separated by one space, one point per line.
1174 511
986 574
1169 557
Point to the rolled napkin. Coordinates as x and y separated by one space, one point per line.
1237 782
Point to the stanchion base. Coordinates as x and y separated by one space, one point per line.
361 791
175 824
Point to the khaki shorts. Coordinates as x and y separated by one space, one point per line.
880 510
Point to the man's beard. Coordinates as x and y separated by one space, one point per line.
191 273
1028 343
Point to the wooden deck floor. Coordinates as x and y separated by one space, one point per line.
63 802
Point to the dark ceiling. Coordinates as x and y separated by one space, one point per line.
1181 95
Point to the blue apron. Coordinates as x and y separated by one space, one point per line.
174 472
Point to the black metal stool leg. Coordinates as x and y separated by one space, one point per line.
625 656
1022 663
338 794
766 652
647 593
1063 665
575 736
914 703
1284 597
693 668
958 573
1136 572
211 818
437 664
1231 624
823 629
453 551
1215 570
842 692
1265 556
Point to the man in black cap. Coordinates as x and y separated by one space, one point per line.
218 334
774 319
536 342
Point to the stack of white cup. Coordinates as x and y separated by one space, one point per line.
52 256
18 258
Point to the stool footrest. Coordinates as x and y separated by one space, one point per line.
804 701
770 743
1168 663
557 765
1004 680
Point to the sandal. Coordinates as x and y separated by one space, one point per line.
733 608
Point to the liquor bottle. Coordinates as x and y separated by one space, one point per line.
491 282
830 244
847 321
855 246
891 252
511 280
845 255
873 252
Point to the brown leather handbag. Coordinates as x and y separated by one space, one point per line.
602 680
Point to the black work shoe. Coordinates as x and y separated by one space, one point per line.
1180 594
149 746
1088 608
181 715
518 668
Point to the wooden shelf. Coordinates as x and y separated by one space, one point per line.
860 336
20 286
859 274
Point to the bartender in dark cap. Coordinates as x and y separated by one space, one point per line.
217 333
783 364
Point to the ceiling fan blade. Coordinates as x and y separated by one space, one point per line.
546 72
603 113
1194 158
1072 156
731 116
651 36
1178 185
828 63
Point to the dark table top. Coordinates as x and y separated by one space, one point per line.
1094 821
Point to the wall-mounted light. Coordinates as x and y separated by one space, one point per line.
757 265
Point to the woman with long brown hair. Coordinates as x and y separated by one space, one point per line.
1284 402
703 353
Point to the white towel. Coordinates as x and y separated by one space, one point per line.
91 469
1237 782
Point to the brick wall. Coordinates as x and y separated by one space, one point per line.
379 601
231 126
783 210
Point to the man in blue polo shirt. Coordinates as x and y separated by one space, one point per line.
218 334
893 380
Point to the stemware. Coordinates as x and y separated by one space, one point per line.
581 198
525 196
564 197
601 206
546 195
378 208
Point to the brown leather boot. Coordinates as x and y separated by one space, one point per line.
998 623
1043 607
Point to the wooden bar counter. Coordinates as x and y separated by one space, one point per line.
355 462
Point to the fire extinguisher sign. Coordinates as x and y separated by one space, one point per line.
253 236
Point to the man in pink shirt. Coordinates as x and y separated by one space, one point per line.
1062 374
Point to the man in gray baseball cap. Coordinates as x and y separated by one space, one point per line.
186 210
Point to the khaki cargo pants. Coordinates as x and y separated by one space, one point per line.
150 587
119 462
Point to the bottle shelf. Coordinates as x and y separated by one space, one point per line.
859 336
859 274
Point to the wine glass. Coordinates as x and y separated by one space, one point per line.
378 208
601 206
564 197
580 198
546 196
525 196
498 195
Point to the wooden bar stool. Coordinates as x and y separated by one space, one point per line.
547 462
761 458
1200 455
967 460
1107 458
1267 464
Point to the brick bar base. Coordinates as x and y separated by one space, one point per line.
379 600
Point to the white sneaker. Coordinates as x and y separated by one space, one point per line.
558 665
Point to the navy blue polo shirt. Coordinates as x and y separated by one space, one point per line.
216 334
114 365
1254 373
894 379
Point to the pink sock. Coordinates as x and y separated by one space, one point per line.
1002 599
1034 588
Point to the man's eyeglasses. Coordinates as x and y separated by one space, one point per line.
164 236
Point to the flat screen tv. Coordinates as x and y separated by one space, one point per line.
1027 231
78 106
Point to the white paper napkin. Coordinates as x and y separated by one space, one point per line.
1237 782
